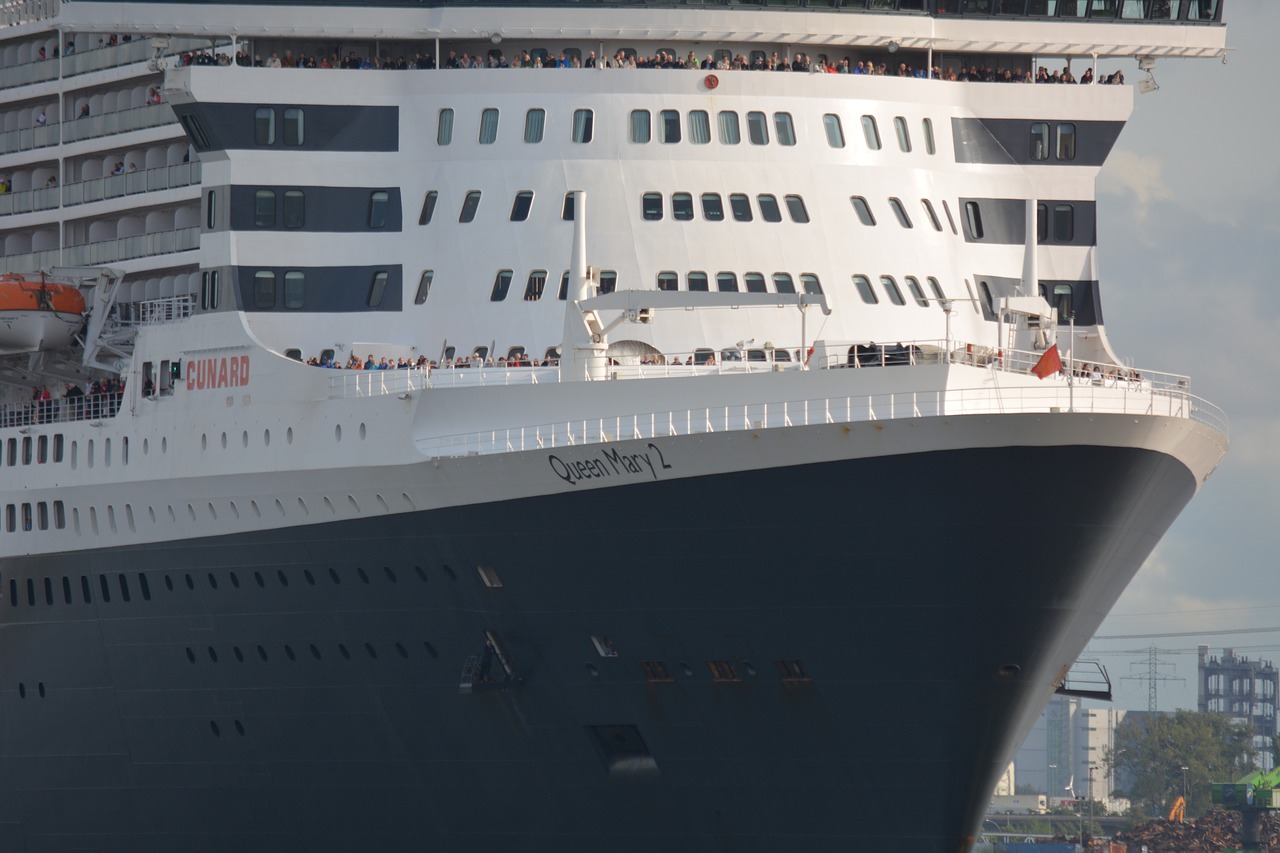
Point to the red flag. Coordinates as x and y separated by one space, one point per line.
1049 363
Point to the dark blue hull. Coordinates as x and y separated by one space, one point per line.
886 624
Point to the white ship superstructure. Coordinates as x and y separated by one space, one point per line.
705 386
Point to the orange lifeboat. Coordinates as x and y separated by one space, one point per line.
36 314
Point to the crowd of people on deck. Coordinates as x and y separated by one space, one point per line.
95 399
798 63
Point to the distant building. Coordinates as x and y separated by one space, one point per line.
1245 689
1062 755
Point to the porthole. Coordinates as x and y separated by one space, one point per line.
262 653
422 576
402 651
144 447
213 726
362 432
284 581
244 439
164 444
191 512
343 650
235 579
235 510
253 505
191 656
213 654
382 503
311 579
191 582
448 571
337 432
213 513
288 651
431 650
239 728
333 576
224 441
280 507
288 436
363 576
257 576
315 652
372 653
391 576
213 582
329 505
266 437
172 515
168 583
40 688
351 499
204 441
303 506
239 654
22 690
151 514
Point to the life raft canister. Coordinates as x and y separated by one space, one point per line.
711 81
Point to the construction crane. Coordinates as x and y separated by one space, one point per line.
1252 796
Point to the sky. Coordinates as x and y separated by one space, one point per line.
1189 263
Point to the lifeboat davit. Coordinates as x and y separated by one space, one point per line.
37 314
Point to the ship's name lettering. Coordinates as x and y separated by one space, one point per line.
229 371
610 463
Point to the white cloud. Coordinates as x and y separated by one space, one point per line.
1139 175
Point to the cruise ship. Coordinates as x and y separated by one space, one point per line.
562 426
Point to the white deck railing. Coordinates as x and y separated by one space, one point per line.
831 410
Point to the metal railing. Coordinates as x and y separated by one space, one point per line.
826 410
168 309
99 189
86 407
28 138
107 251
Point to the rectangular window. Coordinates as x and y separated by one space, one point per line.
608 281
871 132
785 128
377 288
795 207
196 132
929 145
936 289
42 449
727 282
651 206
699 127
428 207
669 126
378 204
264 209
682 206
933 216
951 220
501 284
444 129
757 128
292 129
973 220
730 132
656 672
264 289
754 282
264 126
520 207
533 287
1066 141
469 206
769 210
741 207
583 125
900 212
641 129
58 445
535 121
488 126
294 287
1064 223
566 210
211 208
863 209
699 282
295 207
1039 140
668 280
863 285
917 292
835 132
792 672
1042 223
904 135
60 522
563 293
809 283
424 287
712 207
783 283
